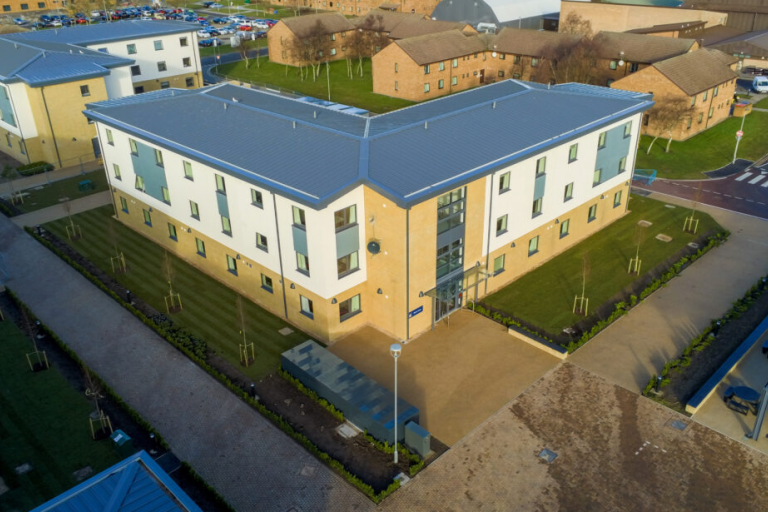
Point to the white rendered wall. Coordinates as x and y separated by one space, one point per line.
25 122
119 82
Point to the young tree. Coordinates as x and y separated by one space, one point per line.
245 46
575 24
9 173
572 59
666 115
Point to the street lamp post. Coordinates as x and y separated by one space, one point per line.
739 135
395 349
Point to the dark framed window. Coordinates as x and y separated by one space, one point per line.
147 218
498 264
565 228
194 210
573 153
306 306
302 263
256 198
450 210
135 71
345 218
85 91
226 225
449 258
592 213
124 204
349 308
299 217
266 283
183 41
172 232
347 264
200 245
231 264
261 242
221 186
161 66
568 192
131 49
533 246
501 225
189 82
158 45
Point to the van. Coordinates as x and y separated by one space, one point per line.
488 28
760 84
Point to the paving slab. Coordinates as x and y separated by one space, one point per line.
59 211
638 345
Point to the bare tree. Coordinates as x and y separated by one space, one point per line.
575 24
665 116
572 60
245 46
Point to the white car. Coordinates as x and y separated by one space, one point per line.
146 17
760 84
56 23
224 31
260 25
95 14
204 34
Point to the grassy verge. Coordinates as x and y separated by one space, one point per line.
356 91
763 103
706 151
44 423
544 296
209 306
52 193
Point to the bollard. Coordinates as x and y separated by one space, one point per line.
253 390
39 232
128 297
658 383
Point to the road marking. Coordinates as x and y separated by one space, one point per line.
744 176
718 193
757 178
750 201
737 197
765 185
726 195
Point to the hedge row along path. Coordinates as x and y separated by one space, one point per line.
252 464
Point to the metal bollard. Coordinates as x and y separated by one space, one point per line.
658 383
128 297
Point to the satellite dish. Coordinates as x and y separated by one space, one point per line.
374 247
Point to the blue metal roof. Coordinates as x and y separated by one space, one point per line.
44 63
314 154
136 484
106 32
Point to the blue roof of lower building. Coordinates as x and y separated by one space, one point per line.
314 154
136 484
106 32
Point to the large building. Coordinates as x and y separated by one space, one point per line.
335 221
532 14
26 6
47 77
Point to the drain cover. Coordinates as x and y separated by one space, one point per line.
285 331
644 223
679 425
693 245
669 206
548 455
663 238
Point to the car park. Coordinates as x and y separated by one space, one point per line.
20 21
55 23
202 33
245 28
209 42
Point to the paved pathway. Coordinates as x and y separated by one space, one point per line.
58 211
638 345
249 461
47 177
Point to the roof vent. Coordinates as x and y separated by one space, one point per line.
70 51
173 93
294 125
225 106
494 104
314 114
426 124
16 46
44 55
235 100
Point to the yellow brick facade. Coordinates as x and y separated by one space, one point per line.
26 6
280 39
363 7
176 81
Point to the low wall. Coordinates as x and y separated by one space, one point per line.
540 343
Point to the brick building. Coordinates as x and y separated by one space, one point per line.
685 30
26 6
703 79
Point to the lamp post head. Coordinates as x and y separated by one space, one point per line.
395 349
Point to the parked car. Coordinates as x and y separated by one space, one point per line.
19 21
261 34
55 23
159 16
202 33
213 32
209 42
760 84
82 21
146 17
246 28
215 6
220 21
45 18
208 4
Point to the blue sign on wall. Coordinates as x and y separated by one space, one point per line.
415 312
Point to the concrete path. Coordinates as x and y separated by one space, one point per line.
236 450
638 345
47 177
58 211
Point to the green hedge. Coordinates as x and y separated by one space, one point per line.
34 168
708 335
620 308
202 483
202 363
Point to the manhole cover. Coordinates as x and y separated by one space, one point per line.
670 206
285 331
404 479
548 455
24 468
644 223
307 470
693 245
663 238
346 431
679 425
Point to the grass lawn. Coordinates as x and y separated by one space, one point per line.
210 51
708 150
209 306
544 297
356 92
763 103
43 422
50 194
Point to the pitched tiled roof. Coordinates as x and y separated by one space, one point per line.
331 23
441 46
84 35
719 33
529 42
640 47
414 27
698 71
384 21
314 154
666 27
749 43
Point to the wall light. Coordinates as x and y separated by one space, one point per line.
293 286
421 294
513 245
379 291
334 301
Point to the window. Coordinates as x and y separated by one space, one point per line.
501 225
261 242
110 140
502 56
124 204
498 265
165 85
139 183
172 232
596 177
138 90
231 264
704 96
628 129
622 164
24 7
455 63
701 116
333 37
166 195
220 185
194 210
633 67
688 124
534 63
84 91
299 219
118 176
189 81
449 258
441 66
440 84
6 8
717 89
711 111
536 209
501 74
183 41
504 182
306 307
516 76
450 210
134 147
186 62
200 247
158 45
568 192
573 153
516 60
396 85
8 140
426 69
609 82
565 228
613 64
159 158
256 199
131 49
147 218
693 100
426 87
592 214
454 80
161 66
601 140
396 67
541 166
349 307
345 218
347 264
266 283
533 246
188 171
333 51
617 199
302 263
226 225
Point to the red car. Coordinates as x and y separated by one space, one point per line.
201 19
246 28
270 24
82 21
